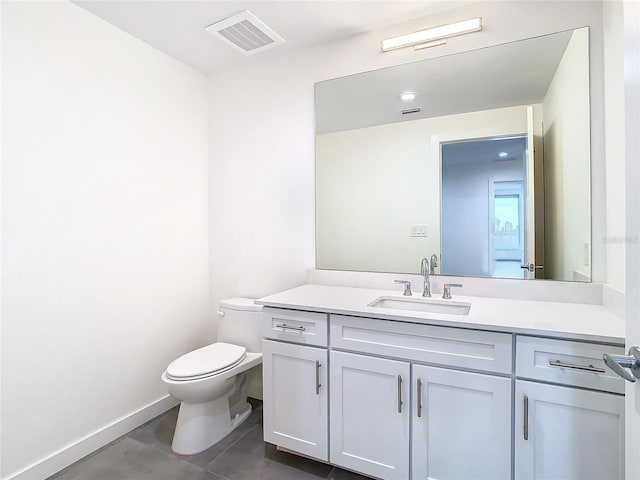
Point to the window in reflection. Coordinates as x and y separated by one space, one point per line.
508 230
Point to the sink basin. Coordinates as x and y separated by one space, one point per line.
422 305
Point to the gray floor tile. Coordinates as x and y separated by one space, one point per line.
204 475
251 459
129 459
159 434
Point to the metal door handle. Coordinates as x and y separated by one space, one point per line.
618 363
419 398
399 394
525 426
318 365
532 267
589 368
284 326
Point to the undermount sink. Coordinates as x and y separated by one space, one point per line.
422 305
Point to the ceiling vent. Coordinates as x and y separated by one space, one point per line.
244 32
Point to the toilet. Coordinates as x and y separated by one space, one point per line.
211 382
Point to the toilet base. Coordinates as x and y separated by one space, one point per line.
202 425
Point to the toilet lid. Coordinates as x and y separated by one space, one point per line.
206 361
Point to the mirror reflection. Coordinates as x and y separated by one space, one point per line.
478 161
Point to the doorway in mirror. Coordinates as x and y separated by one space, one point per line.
484 207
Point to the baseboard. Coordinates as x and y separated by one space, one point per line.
92 442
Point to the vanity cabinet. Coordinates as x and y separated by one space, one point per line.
389 414
400 400
370 414
295 398
572 429
295 381
569 433
461 425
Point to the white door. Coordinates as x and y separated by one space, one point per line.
567 433
530 216
461 425
631 13
295 398
370 414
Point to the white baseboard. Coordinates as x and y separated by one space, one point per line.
92 442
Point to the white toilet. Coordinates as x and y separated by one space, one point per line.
211 382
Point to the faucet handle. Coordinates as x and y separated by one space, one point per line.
407 287
447 290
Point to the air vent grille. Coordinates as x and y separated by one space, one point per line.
245 32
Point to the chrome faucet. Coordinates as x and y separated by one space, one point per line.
424 270
434 264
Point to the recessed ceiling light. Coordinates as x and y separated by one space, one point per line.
503 154
408 96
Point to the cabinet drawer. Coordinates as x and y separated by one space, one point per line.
567 362
308 328
455 347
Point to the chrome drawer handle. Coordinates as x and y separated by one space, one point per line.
525 426
419 398
399 394
318 365
284 326
589 368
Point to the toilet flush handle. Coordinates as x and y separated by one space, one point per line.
221 313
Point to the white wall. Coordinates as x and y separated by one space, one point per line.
262 134
615 139
392 172
566 162
104 235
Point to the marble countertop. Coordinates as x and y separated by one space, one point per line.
550 319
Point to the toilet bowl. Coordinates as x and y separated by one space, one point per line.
211 382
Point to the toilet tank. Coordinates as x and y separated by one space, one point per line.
240 323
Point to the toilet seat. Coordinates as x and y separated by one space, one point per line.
206 362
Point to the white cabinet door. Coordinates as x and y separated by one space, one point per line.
567 433
295 398
370 410
461 425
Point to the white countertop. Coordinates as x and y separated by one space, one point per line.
549 319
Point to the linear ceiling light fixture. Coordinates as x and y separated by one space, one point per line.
433 34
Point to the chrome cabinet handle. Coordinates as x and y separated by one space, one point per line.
318 365
419 398
284 326
618 363
585 368
399 394
525 426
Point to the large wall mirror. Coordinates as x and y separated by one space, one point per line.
479 160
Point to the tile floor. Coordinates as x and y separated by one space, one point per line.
145 454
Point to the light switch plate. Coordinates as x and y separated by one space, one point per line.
418 230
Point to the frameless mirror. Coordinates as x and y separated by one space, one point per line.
484 168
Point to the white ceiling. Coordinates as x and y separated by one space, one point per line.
177 27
